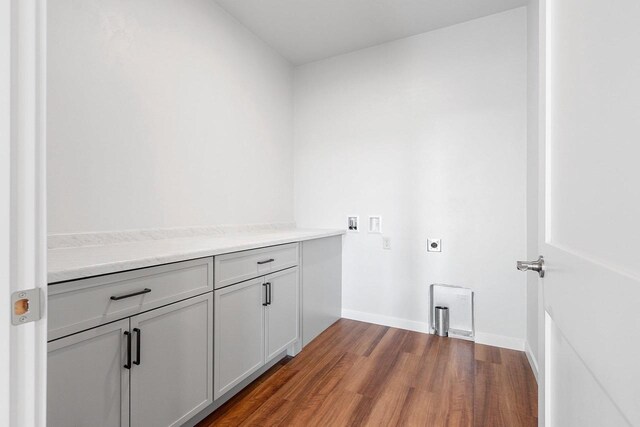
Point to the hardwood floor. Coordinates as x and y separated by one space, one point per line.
362 374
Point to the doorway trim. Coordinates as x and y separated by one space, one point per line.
23 237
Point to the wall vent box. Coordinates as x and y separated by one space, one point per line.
352 223
459 300
375 224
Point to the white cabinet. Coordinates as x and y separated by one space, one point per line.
171 376
282 316
83 304
237 267
153 369
157 346
239 333
254 321
87 383
321 285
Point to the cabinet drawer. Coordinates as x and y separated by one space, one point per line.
239 266
83 304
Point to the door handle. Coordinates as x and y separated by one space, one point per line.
266 261
266 294
537 266
128 364
269 300
138 350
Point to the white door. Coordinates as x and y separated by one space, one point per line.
590 228
282 314
172 362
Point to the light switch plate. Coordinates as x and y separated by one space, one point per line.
434 245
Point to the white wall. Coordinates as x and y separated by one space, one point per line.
429 132
532 183
164 113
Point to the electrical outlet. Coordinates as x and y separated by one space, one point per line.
386 243
434 245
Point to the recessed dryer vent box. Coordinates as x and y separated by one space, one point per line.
459 300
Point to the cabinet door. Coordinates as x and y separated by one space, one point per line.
239 333
282 315
172 352
87 384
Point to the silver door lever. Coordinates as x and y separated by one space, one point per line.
537 266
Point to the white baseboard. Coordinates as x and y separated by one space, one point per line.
412 325
533 361
394 322
500 341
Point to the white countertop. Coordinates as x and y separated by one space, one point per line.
69 263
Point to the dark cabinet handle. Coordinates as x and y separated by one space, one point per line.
138 351
128 364
266 261
119 297
266 294
269 292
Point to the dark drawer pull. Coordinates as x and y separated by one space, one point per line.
119 297
266 261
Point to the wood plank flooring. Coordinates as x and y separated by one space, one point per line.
359 374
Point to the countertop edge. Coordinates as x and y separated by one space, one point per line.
76 273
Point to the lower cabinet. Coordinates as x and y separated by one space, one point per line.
172 373
86 383
239 333
254 322
155 355
153 369
282 313
321 285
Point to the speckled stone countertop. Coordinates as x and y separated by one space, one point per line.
83 255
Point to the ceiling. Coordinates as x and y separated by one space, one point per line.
308 30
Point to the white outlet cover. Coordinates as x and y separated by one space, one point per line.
386 243
434 245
